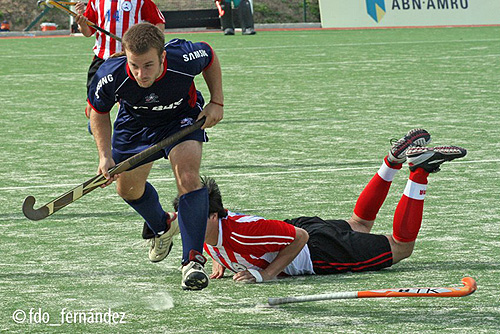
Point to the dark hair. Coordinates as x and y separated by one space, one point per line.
142 37
214 197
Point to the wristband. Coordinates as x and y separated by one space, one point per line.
256 274
217 103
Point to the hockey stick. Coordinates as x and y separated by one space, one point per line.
69 197
66 3
58 5
469 287
219 8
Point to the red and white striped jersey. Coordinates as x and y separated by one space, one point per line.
251 242
116 16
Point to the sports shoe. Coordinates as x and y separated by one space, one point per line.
415 137
430 158
194 276
162 244
229 31
248 31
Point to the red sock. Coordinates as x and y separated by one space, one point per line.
408 215
373 196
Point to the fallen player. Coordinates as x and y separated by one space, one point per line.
259 250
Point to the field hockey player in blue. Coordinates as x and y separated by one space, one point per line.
154 84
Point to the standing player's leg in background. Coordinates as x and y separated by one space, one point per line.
246 17
227 18
374 194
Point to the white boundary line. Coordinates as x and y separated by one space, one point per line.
254 174
283 47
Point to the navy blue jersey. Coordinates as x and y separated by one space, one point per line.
170 96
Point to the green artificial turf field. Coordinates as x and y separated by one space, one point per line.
308 119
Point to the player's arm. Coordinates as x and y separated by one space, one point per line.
81 20
213 110
101 98
284 258
101 129
153 15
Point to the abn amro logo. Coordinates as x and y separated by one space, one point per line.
376 9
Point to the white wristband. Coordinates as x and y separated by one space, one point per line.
256 274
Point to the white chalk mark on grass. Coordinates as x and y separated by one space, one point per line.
249 174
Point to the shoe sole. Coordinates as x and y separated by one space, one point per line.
420 137
195 281
437 154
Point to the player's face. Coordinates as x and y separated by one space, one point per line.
145 68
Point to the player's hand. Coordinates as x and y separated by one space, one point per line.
217 270
214 113
104 165
80 7
244 277
80 20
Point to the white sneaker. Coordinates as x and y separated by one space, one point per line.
162 244
194 276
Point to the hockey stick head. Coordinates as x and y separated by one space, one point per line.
31 213
470 285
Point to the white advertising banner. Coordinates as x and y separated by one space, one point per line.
408 13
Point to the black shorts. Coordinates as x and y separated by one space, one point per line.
336 248
94 66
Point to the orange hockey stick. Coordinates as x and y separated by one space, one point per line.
219 8
469 287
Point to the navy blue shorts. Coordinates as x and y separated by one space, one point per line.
130 137
336 248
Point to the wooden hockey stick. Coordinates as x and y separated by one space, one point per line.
59 6
469 287
69 197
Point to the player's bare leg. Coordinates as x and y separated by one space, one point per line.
185 159
130 185
359 224
400 250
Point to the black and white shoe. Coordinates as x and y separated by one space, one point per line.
430 158
194 276
415 137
